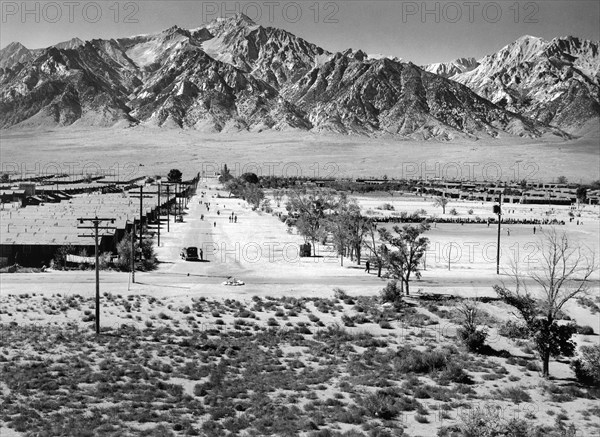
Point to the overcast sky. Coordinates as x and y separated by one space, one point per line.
420 31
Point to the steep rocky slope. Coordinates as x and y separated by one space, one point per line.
555 82
236 75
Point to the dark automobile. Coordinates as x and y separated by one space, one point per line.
189 254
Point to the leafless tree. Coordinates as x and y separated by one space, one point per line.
441 201
563 274
370 242
278 196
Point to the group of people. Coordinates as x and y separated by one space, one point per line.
232 218
472 220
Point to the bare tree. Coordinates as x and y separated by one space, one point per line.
441 201
311 209
348 227
278 196
337 224
356 227
370 242
563 275
407 247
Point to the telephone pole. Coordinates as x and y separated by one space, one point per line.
141 215
159 210
168 208
498 210
141 196
96 227
133 253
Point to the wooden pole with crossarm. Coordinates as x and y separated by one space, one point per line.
96 227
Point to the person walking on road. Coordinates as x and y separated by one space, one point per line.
368 267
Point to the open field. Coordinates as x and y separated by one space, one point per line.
299 153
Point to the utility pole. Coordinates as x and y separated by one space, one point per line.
133 253
176 201
498 211
179 200
141 215
141 196
96 226
159 209
168 208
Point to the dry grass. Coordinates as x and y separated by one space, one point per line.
270 366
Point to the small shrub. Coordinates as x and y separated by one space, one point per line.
515 394
455 373
513 330
587 365
413 360
384 324
421 419
381 405
585 330
473 339
392 294
340 294
347 320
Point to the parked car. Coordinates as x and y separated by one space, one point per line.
189 254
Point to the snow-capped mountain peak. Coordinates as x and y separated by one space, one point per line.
234 74
556 82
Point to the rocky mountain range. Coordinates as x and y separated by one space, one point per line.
16 53
555 82
234 75
450 69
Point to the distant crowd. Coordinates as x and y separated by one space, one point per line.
470 220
